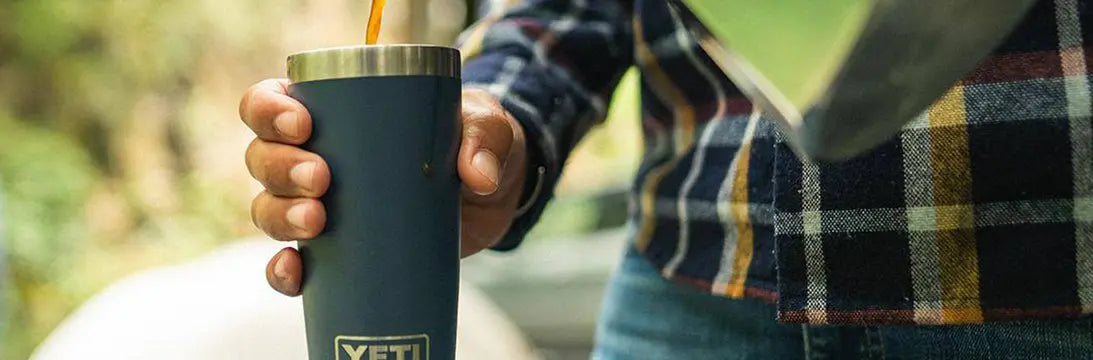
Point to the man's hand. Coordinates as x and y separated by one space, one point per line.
492 164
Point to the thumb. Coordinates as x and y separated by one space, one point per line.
488 136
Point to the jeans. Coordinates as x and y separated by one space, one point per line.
648 317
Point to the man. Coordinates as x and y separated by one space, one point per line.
977 217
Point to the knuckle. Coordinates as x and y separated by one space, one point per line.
244 103
252 155
263 163
268 169
253 101
248 98
492 125
263 215
473 131
256 206
493 132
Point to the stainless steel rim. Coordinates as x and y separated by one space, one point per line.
373 60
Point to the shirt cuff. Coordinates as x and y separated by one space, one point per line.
532 203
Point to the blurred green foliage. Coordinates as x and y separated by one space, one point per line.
796 44
45 183
97 146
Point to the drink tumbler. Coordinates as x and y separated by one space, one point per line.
381 281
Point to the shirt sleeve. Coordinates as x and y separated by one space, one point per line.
553 64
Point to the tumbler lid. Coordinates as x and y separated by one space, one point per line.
373 60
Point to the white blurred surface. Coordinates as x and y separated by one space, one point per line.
220 307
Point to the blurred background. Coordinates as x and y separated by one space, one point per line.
121 151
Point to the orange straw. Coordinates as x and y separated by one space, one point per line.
375 18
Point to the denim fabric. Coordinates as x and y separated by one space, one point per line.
648 317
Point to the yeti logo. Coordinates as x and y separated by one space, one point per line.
409 347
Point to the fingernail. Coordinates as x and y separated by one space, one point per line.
296 216
303 174
487 165
287 124
280 271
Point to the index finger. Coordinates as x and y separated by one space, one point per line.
274 116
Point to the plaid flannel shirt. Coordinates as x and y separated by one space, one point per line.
979 210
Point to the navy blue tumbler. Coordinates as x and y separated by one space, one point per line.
381 281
